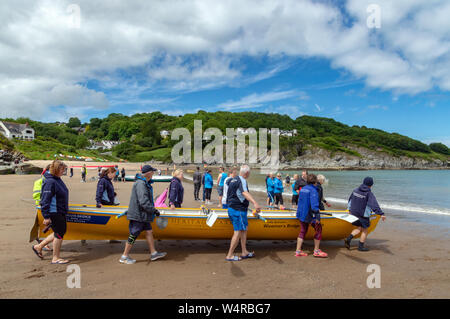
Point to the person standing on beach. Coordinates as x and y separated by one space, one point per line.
176 190
203 185
308 214
54 207
220 182
197 179
208 186
232 174
71 172
278 190
123 173
360 204
141 212
270 190
301 182
238 200
321 180
294 192
287 180
83 173
105 189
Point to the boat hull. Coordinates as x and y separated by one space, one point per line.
90 223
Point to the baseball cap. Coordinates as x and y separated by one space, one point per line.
368 181
147 168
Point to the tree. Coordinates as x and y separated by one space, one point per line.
440 148
82 142
74 122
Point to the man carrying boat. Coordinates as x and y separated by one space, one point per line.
360 204
141 213
308 214
238 199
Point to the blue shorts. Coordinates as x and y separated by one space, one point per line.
238 219
363 222
137 227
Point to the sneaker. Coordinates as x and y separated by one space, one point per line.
362 248
300 253
347 243
157 255
126 260
319 253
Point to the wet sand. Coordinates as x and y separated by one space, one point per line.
414 260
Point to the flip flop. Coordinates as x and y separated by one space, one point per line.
235 258
47 249
60 262
37 253
249 255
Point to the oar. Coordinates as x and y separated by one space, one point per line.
345 217
122 214
257 215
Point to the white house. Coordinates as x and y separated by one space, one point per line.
164 133
103 144
16 130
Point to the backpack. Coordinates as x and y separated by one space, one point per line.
37 189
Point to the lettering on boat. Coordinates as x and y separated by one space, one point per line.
87 219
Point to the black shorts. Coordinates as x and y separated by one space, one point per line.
363 222
59 225
137 227
294 199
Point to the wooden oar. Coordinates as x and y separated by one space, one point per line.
345 217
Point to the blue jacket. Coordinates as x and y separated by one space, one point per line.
105 191
293 190
141 207
208 181
308 204
277 186
362 202
176 191
54 196
270 185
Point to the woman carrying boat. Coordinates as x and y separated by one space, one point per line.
141 212
176 190
208 186
321 180
360 204
278 190
54 207
105 190
308 214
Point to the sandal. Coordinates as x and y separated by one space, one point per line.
60 262
235 258
39 254
249 255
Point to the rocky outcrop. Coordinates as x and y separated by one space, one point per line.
12 162
317 158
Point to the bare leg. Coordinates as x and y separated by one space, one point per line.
233 244
245 252
127 249
56 249
356 231
316 244
44 243
299 243
364 235
150 241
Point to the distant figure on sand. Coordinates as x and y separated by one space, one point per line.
176 190
83 173
360 204
105 190
54 207
220 180
71 172
197 179
308 214
141 212
123 174
238 200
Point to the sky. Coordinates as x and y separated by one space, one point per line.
379 63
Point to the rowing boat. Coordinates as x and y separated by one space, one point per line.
155 178
89 222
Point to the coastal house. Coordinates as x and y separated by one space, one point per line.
79 130
164 133
16 130
104 144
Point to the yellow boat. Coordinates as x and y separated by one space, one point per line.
106 223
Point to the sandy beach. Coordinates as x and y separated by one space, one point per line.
414 259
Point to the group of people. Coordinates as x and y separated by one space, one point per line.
235 197
116 176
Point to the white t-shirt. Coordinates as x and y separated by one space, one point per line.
225 191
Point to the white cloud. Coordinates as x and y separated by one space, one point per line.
185 46
259 99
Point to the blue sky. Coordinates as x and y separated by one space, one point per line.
293 57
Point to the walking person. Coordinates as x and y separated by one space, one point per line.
176 190
71 172
197 179
220 182
208 186
141 212
320 181
308 214
360 204
238 200
278 190
105 194
54 207
83 173
123 174
294 192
